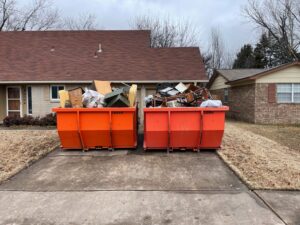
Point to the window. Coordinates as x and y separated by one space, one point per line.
29 100
54 91
226 95
288 93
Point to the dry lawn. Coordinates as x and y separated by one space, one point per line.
283 134
261 162
19 148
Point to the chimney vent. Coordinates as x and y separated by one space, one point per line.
100 48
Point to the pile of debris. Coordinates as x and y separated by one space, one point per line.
100 94
181 95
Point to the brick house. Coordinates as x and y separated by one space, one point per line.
266 96
35 65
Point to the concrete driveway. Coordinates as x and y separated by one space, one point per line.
122 187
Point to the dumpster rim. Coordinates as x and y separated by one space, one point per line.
186 109
106 109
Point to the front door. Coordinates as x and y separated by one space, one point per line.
14 101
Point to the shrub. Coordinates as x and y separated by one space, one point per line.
48 120
27 120
11 120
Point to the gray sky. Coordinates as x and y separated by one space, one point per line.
223 14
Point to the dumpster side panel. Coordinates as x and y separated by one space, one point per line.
83 128
123 127
185 129
67 126
213 129
156 129
94 129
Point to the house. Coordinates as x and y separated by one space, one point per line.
35 65
265 96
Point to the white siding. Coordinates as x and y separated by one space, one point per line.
2 102
219 83
41 103
289 75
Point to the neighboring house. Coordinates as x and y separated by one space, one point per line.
34 66
267 96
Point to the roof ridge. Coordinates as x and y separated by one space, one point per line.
74 31
175 48
246 69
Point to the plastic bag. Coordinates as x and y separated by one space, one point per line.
92 99
211 103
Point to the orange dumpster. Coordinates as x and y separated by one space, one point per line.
184 128
97 128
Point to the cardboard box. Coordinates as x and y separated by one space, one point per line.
75 96
103 87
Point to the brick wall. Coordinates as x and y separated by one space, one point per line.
274 113
241 101
218 94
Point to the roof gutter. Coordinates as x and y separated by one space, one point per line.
90 81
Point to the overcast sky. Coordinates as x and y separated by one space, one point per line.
204 14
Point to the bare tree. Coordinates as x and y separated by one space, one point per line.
216 48
217 55
281 20
206 59
83 22
7 9
39 15
166 33
228 60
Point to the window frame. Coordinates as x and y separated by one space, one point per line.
27 100
292 93
56 99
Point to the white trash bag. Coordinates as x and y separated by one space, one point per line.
211 103
93 99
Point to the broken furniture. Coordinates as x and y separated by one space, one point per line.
101 94
179 96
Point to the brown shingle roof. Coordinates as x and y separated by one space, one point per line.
235 76
126 56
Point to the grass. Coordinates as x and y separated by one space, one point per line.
264 156
20 148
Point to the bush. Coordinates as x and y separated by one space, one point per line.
48 120
11 120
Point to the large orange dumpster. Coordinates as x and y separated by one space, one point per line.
96 128
184 128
